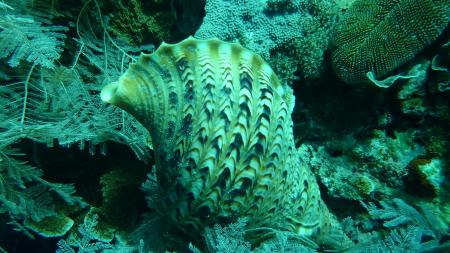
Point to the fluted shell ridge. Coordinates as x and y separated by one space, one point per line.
221 127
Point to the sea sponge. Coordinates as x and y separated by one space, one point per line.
378 36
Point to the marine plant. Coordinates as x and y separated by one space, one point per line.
47 102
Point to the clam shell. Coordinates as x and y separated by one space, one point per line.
221 127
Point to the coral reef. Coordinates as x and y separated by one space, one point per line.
136 26
425 177
341 177
364 169
344 4
388 157
140 23
89 173
300 29
379 36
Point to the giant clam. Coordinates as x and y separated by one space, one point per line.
220 124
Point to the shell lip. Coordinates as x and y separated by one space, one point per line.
108 92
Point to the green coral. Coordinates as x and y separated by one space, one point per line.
440 64
344 4
425 177
387 157
51 226
379 36
132 22
342 177
359 169
281 5
121 195
280 31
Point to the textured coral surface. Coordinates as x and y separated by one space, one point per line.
379 36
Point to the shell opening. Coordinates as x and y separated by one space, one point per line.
108 92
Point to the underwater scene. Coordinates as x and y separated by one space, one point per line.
201 126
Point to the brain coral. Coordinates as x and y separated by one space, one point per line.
378 36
